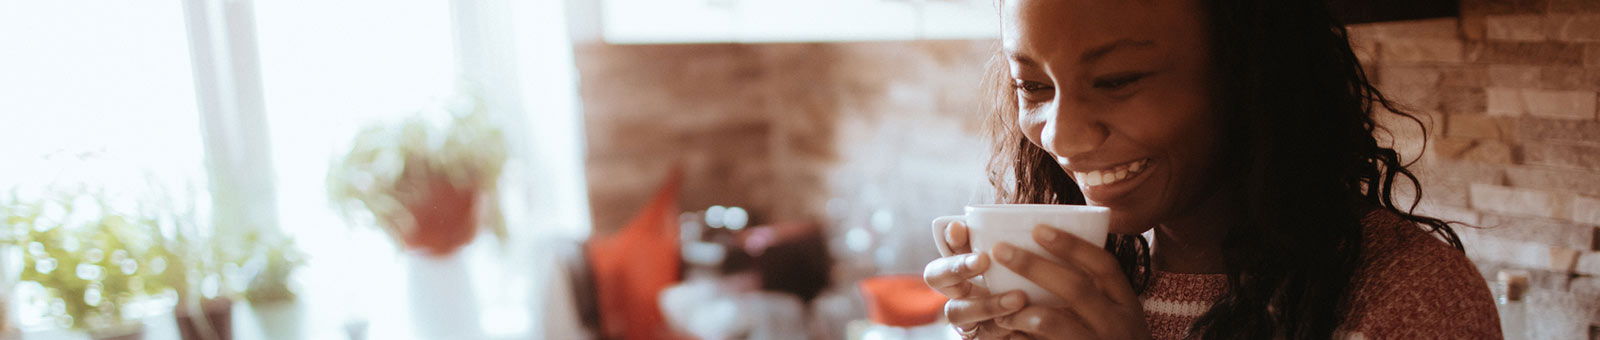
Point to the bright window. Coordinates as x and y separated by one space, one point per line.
105 82
114 83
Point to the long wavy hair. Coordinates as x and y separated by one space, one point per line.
1298 109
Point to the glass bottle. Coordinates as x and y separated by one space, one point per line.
1509 289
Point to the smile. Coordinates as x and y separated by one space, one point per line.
1112 175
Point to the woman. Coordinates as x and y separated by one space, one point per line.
1241 133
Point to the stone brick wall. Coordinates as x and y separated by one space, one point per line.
649 107
835 133
1508 92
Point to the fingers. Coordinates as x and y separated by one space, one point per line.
1096 261
950 240
951 275
1070 283
968 312
1046 323
989 330
955 236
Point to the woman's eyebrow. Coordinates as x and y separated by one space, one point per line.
1022 59
1101 51
1090 56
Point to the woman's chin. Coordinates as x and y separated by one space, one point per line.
1126 225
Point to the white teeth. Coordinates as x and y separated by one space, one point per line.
1113 175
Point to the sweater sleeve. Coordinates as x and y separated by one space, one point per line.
1412 285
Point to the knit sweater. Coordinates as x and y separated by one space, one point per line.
1409 285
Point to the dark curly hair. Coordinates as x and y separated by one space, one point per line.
1299 112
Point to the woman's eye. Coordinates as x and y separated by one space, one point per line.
1118 82
1032 87
1032 92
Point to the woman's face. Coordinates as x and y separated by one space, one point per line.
1119 92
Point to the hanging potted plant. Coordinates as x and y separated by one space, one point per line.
88 261
430 187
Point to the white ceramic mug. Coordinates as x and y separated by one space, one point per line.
988 224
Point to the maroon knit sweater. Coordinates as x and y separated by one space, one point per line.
1410 285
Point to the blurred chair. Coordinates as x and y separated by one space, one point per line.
790 257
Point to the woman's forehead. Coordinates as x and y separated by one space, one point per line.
1055 29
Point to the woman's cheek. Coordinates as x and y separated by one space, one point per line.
1032 125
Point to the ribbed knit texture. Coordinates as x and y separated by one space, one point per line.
1410 285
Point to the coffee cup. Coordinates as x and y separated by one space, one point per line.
990 224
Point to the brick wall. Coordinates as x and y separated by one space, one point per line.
835 133
1508 91
647 107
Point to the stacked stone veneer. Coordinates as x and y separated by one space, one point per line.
1508 92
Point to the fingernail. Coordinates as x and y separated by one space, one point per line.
1045 234
1003 252
971 262
1011 301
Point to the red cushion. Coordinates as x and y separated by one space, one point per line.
901 300
632 266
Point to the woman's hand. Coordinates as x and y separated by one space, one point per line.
970 305
1100 302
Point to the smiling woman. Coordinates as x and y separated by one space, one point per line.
1239 133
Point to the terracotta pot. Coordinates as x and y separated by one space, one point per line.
218 314
446 220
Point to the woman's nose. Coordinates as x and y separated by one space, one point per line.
1072 130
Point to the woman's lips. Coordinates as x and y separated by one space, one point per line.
1106 185
1113 175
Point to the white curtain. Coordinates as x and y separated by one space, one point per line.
519 54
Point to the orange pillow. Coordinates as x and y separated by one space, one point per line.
632 266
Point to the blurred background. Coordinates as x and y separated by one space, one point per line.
641 169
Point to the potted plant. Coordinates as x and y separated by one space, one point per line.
90 260
270 293
429 187
205 269
277 263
